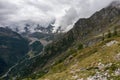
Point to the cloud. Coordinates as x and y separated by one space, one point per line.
64 12
68 19
6 10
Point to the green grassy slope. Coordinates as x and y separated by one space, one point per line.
102 60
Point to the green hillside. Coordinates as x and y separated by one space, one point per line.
101 61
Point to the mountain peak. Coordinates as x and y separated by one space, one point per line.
115 3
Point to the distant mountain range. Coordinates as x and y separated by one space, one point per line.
89 51
16 45
31 27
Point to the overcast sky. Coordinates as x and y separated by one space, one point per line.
63 12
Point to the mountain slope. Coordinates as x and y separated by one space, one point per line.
12 48
98 62
86 32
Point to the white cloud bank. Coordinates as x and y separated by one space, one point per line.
64 12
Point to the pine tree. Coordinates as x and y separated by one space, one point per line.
103 37
109 34
115 32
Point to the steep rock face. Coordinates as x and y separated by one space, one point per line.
12 48
97 23
84 31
